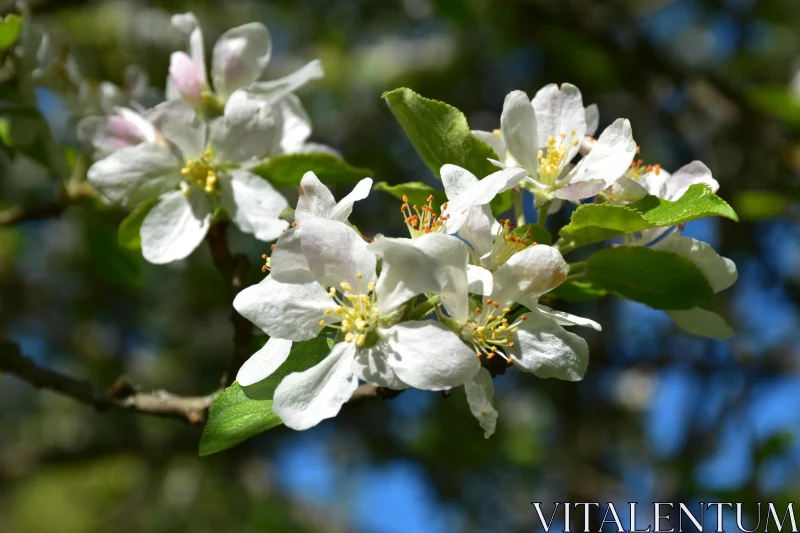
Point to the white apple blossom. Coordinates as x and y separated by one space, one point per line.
469 214
544 135
238 60
534 341
204 167
122 128
323 275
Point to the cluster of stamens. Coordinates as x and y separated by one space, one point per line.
507 242
638 169
554 158
490 332
422 220
202 171
357 312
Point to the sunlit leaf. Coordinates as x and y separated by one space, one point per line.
598 222
660 279
10 28
758 205
439 133
699 201
288 170
578 291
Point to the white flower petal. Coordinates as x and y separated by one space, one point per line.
560 110
370 365
285 310
480 281
253 204
289 264
720 271
248 128
494 142
315 199
529 274
581 189
187 77
336 254
518 124
479 194
239 58
480 394
695 172
456 180
626 189
345 205
427 355
264 362
272 91
179 124
702 323
479 230
549 351
592 119
133 175
187 24
406 272
450 255
304 399
176 226
611 155
566 319
296 126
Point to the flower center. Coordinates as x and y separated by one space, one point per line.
202 171
357 311
489 331
508 241
422 220
553 159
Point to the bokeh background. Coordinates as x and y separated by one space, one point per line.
661 416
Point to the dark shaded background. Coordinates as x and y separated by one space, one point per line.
661 416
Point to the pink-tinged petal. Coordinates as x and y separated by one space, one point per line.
187 77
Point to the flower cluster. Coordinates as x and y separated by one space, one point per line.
480 302
194 153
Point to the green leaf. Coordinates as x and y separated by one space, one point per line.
698 201
233 418
533 233
439 133
240 413
778 101
288 170
416 192
758 205
128 231
598 222
660 279
10 28
578 291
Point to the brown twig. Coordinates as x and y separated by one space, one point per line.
366 391
233 270
122 395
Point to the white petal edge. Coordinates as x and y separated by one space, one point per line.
480 395
304 399
264 362
176 226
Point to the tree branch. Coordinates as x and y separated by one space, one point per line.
233 270
122 395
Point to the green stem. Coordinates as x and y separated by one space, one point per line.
565 247
541 213
519 209
577 277
424 308
578 265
